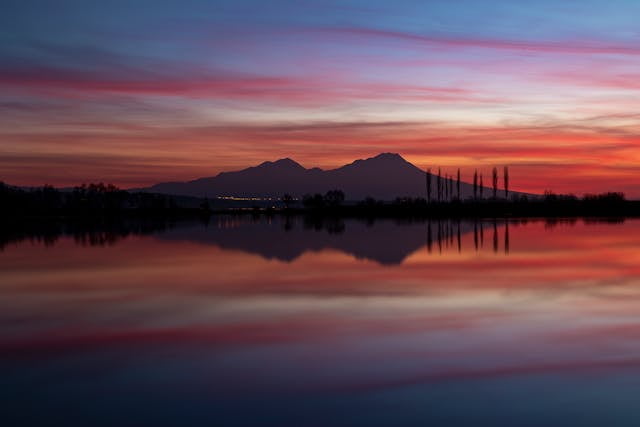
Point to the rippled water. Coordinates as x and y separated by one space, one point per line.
306 322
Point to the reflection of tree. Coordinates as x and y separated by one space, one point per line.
332 225
506 237
83 232
449 234
288 223
551 223
379 241
475 234
335 226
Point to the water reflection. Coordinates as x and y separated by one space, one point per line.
84 232
286 238
278 321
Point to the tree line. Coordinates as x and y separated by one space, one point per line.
100 199
86 199
448 188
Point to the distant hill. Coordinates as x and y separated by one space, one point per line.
383 177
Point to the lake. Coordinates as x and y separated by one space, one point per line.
273 321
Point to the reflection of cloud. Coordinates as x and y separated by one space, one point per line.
284 330
246 323
568 368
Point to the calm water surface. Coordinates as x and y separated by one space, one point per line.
274 322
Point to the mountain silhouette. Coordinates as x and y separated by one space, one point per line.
383 177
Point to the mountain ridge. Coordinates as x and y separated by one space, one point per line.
385 176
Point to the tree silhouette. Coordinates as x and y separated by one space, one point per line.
439 185
334 197
481 186
313 200
287 200
494 176
458 184
429 185
446 187
451 190
506 181
475 184
448 184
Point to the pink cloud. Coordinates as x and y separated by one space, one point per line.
562 47
570 158
308 90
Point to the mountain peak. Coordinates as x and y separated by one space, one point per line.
382 158
388 157
282 163
386 163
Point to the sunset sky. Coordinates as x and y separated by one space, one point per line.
140 92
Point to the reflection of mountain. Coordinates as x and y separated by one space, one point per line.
284 238
385 241
385 177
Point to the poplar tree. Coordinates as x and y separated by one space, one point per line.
446 187
475 184
429 185
494 176
506 181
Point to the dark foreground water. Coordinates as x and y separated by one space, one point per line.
274 322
